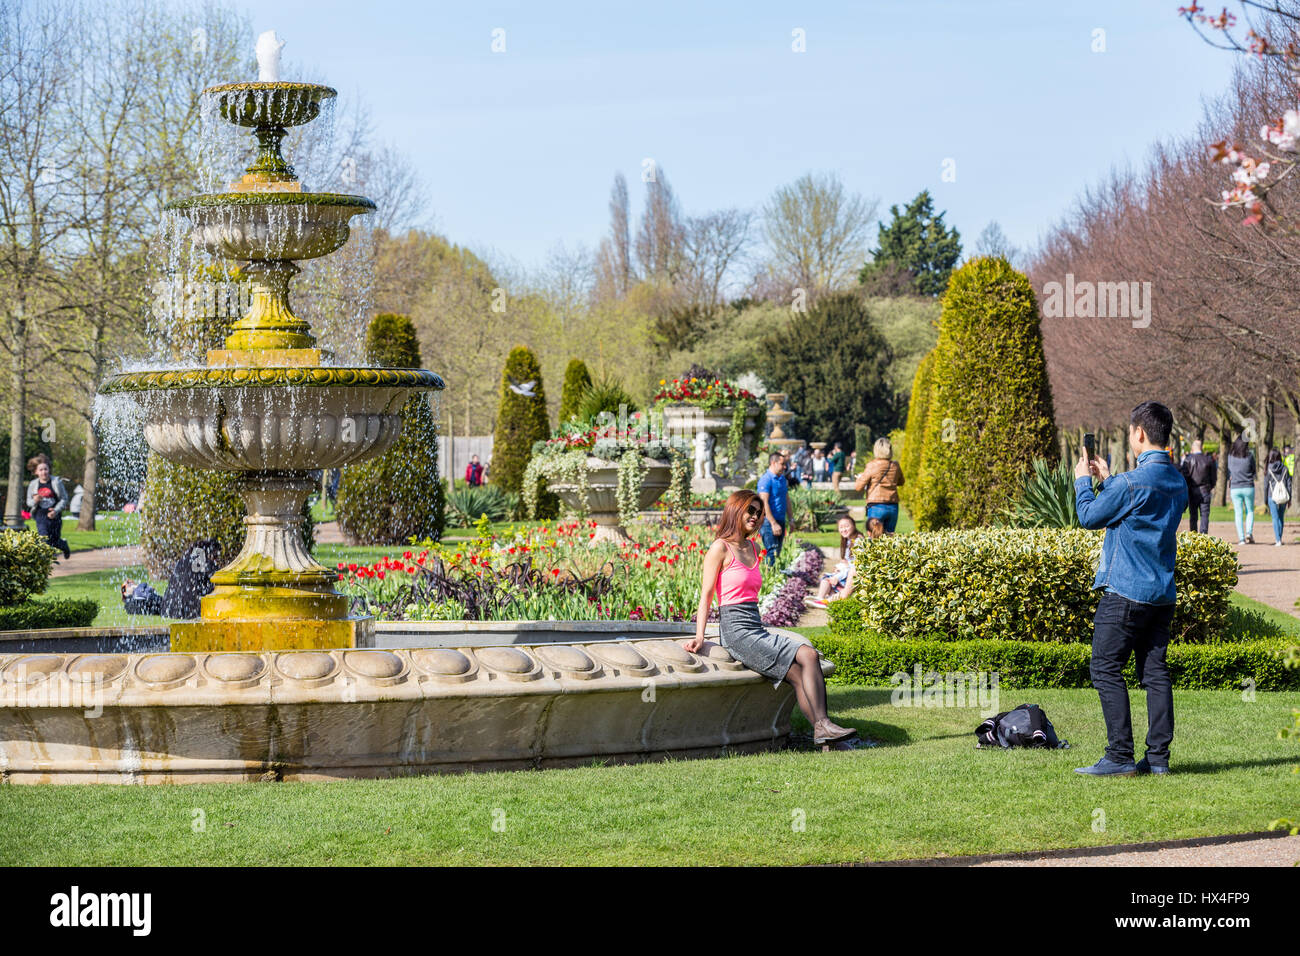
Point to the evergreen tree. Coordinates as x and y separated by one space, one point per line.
399 494
916 240
834 365
577 382
918 407
990 413
521 419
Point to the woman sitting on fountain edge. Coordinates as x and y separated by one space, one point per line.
741 630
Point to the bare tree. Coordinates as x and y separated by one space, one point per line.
816 232
712 245
659 238
36 164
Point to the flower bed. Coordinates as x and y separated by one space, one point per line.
784 605
554 572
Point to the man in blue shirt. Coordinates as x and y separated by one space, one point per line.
1140 510
773 489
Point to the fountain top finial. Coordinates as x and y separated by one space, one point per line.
268 57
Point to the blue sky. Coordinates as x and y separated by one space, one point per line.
519 148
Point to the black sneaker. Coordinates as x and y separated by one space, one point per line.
1145 766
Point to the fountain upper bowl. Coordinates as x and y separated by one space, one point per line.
276 418
255 226
276 103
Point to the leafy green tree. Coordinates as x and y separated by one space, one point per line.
834 365
521 418
990 412
918 241
577 382
399 494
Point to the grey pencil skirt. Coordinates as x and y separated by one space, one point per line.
743 634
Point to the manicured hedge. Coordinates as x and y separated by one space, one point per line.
25 562
1030 584
868 658
53 612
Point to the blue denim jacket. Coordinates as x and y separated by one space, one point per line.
1140 510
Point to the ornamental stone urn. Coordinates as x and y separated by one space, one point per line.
707 430
602 494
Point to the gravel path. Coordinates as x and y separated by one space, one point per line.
1268 574
1246 849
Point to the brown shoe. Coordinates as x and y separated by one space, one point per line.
828 732
1250 539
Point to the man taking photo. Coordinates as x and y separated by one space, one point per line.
1140 510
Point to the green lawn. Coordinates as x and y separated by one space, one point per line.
925 792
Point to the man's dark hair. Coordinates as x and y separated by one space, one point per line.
774 456
1154 419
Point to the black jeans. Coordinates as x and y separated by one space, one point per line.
1198 499
1122 628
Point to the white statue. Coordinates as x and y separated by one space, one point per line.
704 441
268 57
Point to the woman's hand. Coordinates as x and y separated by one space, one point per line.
694 644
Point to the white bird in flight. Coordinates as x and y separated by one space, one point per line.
523 388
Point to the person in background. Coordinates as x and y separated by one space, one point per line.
818 467
837 583
47 499
1277 486
1288 459
837 465
773 491
791 470
733 571
191 578
473 472
882 478
1241 488
797 463
1201 471
1140 510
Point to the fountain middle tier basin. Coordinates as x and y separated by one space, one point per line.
270 419
438 698
271 225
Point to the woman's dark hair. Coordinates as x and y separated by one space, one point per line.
1154 419
733 513
1274 456
1239 448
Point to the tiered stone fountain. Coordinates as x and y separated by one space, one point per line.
780 416
276 680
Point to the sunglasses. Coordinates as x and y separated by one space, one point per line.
753 512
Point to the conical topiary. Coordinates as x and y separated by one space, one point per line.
909 457
577 381
521 419
398 495
990 412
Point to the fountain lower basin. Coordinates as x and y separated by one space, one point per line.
425 698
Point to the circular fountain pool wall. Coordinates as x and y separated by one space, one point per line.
429 698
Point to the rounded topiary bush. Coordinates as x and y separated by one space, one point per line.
183 505
399 494
25 562
990 411
577 381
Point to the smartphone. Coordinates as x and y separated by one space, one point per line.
1090 446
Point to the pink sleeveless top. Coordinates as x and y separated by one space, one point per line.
738 584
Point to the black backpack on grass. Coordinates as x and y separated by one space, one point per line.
1023 726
